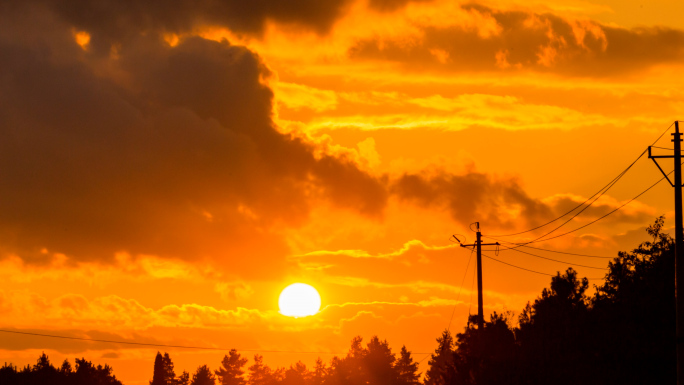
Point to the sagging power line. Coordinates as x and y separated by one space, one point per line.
549 250
591 199
170 346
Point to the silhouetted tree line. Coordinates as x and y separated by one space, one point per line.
373 364
43 372
623 334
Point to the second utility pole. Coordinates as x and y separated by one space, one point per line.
478 243
679 244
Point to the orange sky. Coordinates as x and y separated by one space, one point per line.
168 169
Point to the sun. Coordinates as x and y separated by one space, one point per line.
299 300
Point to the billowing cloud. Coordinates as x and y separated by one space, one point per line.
163 150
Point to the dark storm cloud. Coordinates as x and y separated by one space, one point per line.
159 150
524 41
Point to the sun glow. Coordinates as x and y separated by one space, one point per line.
299 300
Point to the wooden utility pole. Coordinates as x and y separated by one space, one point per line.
679 244
478 243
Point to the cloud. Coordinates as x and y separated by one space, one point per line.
457 113
112 20
297 96
635 212
153 149
524 41
115 313
171 150
60 267
231 291
414 244
472 195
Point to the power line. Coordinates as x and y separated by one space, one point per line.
517 267
661 135
523 244
593 201
530 270
611 212
606 188
549 250
167 346
460 289
597 194
556 260
423 359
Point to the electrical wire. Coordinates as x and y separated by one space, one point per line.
590 223
167 346
661 135
606 187
458 296
611 212
460 289
592 202
556 260
426 356
595 197
530 270
549 250
517 267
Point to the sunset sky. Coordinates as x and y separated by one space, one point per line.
167 168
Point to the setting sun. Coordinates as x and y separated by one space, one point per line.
299 300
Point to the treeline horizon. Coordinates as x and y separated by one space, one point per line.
623 334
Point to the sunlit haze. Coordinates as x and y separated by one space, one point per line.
167 169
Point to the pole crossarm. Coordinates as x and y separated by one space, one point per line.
654 157
483 244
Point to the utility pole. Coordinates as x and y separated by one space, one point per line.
478 243
679 244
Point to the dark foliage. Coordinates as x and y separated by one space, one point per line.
43 372
231 372
623 334
374 364
164 373
203 376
